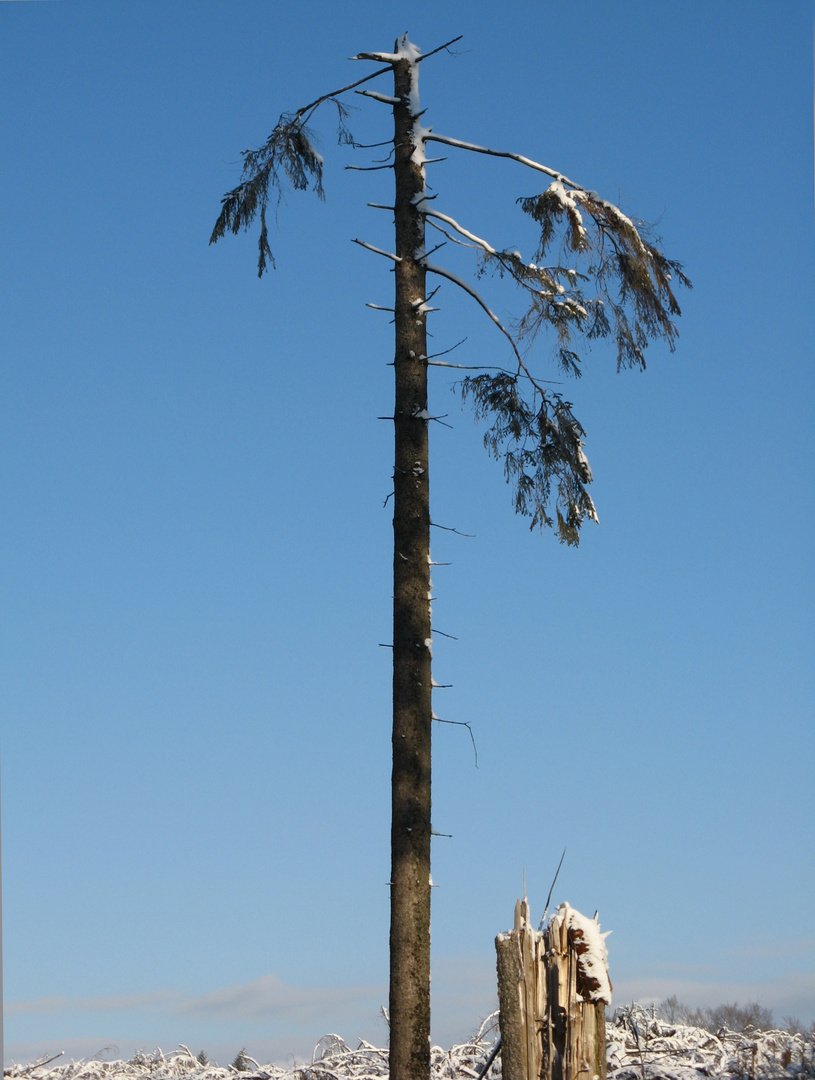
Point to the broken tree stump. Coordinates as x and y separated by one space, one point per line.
553 988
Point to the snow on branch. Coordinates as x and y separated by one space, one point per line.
407 51
459 229
640 1043
609 279
386 99
634 301
474 148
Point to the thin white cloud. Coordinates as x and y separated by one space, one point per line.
154 999
277 1021
263 999
770 948
269 997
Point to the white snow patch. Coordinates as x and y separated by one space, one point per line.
639 1044
593 962
568 202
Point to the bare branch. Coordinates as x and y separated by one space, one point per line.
459 229
471 292
460 723
378 251
432 251
386 99
367 168
435 525
444 352
306 111
439 48
433 137
392 58
450 237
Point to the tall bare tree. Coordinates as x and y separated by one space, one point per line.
604 278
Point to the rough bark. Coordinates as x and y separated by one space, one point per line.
510 1017
410 823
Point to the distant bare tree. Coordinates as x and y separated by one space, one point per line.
732 1017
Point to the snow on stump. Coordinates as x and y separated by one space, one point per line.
553 988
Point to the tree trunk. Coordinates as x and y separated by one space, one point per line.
552 990
410 823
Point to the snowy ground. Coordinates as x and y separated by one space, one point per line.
640 1047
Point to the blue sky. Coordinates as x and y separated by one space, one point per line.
195 556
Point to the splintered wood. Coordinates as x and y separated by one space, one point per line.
553 988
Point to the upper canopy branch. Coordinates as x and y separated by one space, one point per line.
392 58
306 111
433 137
459 229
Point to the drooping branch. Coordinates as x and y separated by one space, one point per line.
635 302
540 440
287 156
541 443
644 305
537 436
563 305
